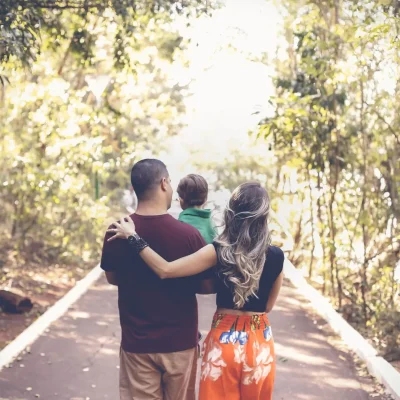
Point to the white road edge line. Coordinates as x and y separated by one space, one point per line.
30 334
377 366
33 331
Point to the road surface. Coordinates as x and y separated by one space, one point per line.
77 358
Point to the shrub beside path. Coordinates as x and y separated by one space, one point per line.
77 358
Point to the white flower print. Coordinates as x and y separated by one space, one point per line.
262 367
240 353
212 364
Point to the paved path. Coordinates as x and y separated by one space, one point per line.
77 359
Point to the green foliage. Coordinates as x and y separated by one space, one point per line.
73 125
246 162
22 23
335 127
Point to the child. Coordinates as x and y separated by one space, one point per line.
193 192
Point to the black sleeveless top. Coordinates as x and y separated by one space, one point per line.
272 268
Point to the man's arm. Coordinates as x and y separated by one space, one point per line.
207 286
111 277
109 258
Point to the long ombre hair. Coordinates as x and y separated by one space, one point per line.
244 242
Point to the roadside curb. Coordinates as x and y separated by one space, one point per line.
377 366
30 334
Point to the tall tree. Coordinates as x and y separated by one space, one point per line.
22 22
336 121
95 99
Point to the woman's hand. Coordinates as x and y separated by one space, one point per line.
123 229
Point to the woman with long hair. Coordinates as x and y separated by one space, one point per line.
239 357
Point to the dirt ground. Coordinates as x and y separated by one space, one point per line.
43 285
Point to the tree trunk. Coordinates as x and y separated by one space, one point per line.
310 267
332 248
334 179
364 278
321 226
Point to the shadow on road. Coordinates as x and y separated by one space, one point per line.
77 359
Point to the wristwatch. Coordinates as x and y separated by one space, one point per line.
137 242
133 238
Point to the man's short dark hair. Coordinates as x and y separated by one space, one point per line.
146 175
193 190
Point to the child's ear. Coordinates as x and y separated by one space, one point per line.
182 203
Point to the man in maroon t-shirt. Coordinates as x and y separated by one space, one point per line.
158 318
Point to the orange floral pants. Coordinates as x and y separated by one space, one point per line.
239 359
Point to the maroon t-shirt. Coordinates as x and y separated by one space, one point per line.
157 316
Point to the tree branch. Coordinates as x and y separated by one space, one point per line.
382 118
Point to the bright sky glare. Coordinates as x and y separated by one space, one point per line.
227 85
